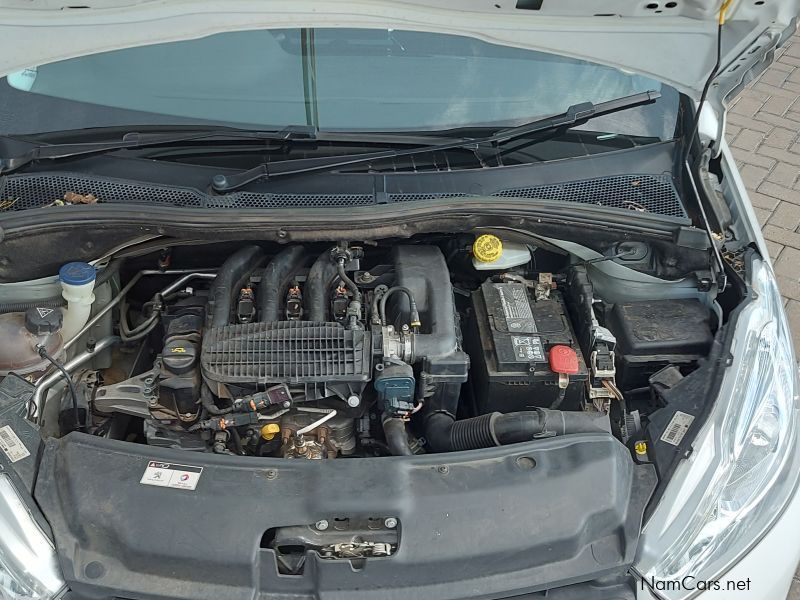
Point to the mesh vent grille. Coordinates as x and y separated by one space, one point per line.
414 197
645 193
251 200
293 352
34 191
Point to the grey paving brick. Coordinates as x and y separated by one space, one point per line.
780 66
747 107
790 61
774 77
792 50
783 174
762 215
786 156
751 158
780 137
774 249
791 120
782 236
750 122
763 201
793 313
786 216
753 176
784 91
788 264
790 288
778 105
779 192
748 139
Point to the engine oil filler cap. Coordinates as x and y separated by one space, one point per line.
563 359
77 273
487 248
179 356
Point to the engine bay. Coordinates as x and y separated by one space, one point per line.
351 349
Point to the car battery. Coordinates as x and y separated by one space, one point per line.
510 339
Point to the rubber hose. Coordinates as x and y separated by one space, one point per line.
276 277
230 277
53 302
320 278
497 429
396 436
207 401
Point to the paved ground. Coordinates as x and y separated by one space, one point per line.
764 134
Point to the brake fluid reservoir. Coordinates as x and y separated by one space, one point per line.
21 334
489 253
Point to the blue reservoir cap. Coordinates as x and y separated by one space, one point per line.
77 273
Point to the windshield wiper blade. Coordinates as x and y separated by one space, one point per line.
577 114
135 139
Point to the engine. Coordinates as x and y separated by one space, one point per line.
302 360
364 351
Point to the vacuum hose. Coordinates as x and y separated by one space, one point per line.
229 279
445 434
275 280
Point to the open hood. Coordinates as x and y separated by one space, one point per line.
672 41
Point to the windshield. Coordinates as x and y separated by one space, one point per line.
331 79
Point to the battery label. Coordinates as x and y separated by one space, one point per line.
528 348
516 307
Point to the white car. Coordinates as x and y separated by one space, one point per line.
444 300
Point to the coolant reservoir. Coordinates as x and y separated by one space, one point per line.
489 253
22 333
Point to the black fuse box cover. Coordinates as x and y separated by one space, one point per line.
652 334
508 339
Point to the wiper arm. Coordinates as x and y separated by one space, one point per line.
577 114
144 140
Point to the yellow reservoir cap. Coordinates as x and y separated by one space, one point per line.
270 430
487 248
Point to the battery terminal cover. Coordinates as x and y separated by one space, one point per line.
563 359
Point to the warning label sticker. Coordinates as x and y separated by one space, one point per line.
11 445
516 307
677 428
182 477
528 348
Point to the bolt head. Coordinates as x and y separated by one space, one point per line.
390 522
353 401
321 525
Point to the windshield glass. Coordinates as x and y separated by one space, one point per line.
332 79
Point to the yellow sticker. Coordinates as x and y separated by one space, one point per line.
178 350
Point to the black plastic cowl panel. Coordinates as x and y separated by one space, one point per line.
480 524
